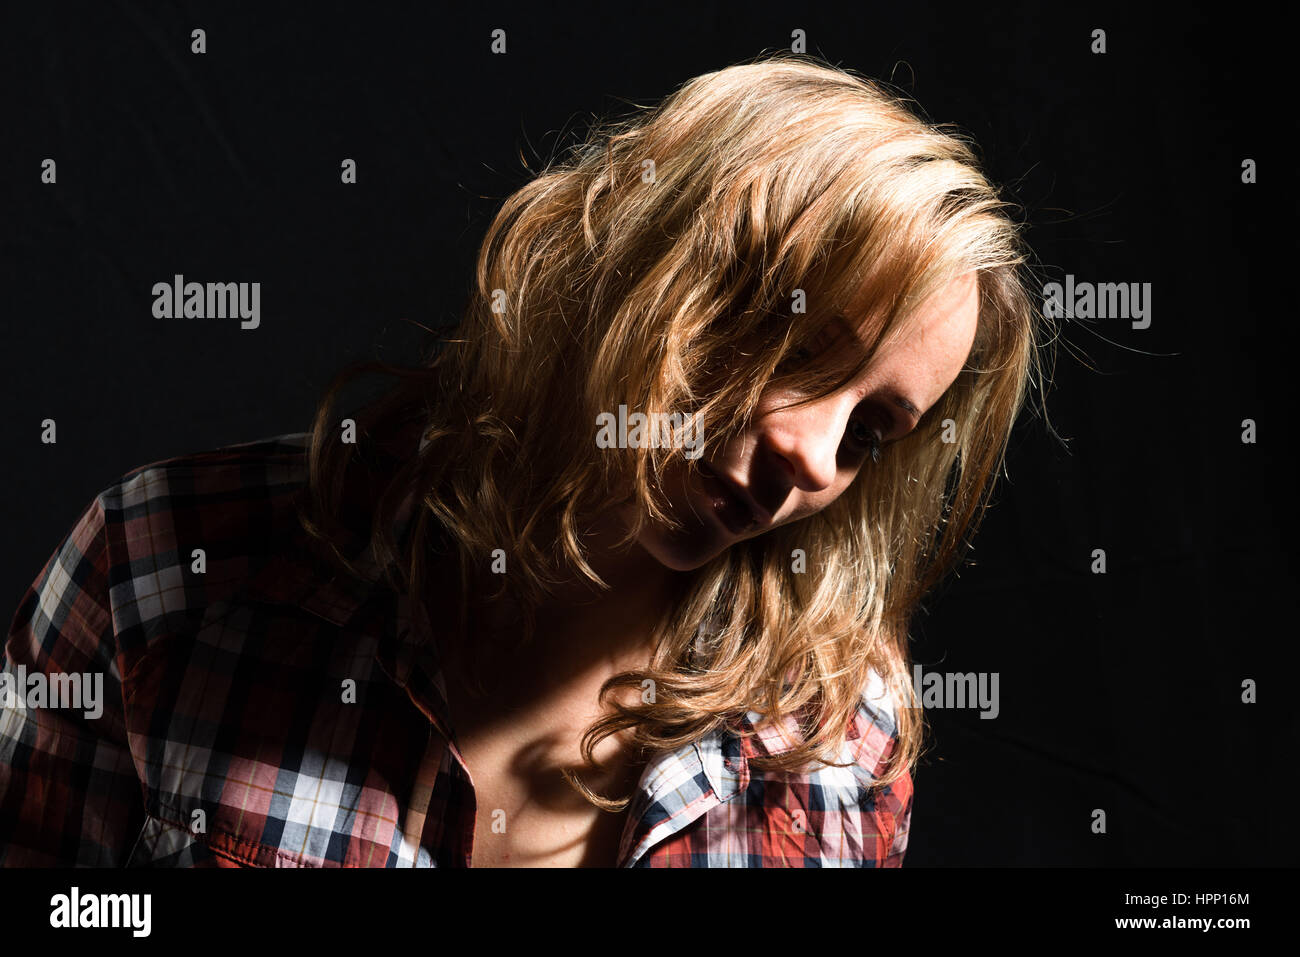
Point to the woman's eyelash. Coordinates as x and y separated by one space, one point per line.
872 442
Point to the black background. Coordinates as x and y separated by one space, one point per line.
1119 691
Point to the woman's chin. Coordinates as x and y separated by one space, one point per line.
687 548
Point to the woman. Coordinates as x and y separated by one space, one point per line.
678 644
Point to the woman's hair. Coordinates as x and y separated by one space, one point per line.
674 262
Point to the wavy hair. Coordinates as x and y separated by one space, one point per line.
676 259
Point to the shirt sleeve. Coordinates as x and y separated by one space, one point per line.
69 793
901 797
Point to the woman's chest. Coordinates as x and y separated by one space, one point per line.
517 750
527 814
535 824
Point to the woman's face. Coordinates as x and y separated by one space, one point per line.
793 462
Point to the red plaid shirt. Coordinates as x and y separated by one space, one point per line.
224 738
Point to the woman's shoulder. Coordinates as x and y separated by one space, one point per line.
168 538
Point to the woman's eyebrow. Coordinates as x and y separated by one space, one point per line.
905 405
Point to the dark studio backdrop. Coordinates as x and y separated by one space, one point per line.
1120 691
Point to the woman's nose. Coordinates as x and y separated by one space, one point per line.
808 440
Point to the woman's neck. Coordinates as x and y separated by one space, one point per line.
582 633
585 626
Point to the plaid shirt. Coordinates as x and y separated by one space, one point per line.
228 736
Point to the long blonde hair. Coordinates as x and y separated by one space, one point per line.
655 266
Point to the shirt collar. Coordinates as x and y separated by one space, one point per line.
294 576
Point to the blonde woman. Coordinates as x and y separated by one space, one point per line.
620 575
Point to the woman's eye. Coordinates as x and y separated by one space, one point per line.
801 357
865 439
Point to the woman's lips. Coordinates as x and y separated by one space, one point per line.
731 509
